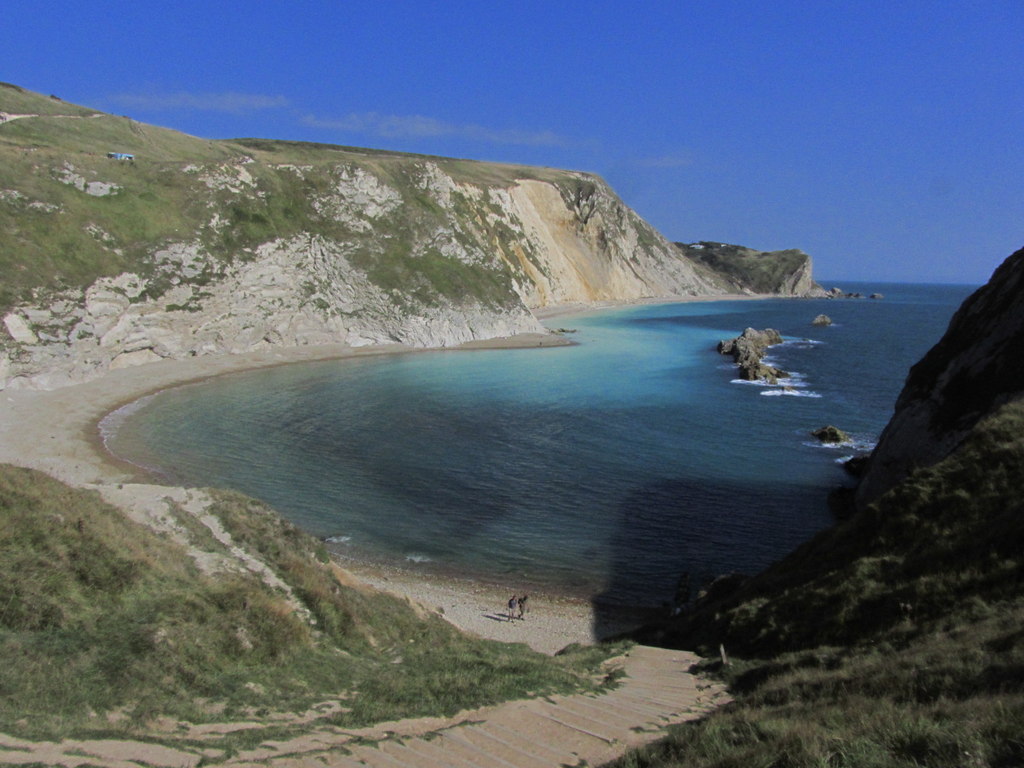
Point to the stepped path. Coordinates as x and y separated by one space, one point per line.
656 691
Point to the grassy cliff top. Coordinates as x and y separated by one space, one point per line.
757 271
69 214
48 123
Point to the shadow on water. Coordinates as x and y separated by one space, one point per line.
712 528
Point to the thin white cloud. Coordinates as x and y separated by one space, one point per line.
230 101
404 126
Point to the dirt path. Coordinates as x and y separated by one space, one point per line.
657 690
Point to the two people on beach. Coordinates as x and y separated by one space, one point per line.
517 607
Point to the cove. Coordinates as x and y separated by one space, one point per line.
602 470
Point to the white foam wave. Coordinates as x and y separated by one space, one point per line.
861 447
414 558
785 385
802 343
112 422
338 539
777 392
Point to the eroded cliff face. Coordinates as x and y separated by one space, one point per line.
587 246
435 263
200 247
976 367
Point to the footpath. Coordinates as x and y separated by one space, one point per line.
582 730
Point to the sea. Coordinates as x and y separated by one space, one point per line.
603 470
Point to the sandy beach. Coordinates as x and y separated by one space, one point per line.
550 623
57 432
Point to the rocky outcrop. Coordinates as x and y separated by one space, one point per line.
839 293
830 435
748 350
822 320
975 368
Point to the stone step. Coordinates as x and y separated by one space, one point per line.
607 717
501 756
380 756
549 731
452 742
665 704
557 731
637 710
424 753
663 689
333 759
582 723
649 701
528 742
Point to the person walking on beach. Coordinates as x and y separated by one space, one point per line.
522 606
512 603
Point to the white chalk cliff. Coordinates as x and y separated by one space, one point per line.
251 244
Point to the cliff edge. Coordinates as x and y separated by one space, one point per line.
974 369
785 273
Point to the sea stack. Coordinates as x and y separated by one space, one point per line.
748 351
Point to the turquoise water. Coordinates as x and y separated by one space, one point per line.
604 469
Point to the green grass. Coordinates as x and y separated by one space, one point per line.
893 640
19 101
158 203
106 618
760 272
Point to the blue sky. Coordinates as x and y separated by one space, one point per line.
885 139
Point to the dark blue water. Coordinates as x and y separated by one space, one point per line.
607 468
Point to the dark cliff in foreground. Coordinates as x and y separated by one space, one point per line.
894 638
976 367
946 474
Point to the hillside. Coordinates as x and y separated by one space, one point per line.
787 273
893 639
217 611
198 247
971 372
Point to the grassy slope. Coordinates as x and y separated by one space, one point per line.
894 640
159 202
107 618
758 271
